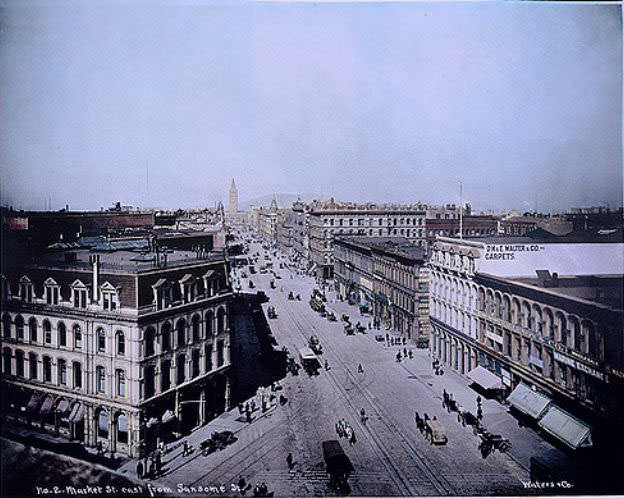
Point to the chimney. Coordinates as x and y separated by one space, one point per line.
95 264
555 279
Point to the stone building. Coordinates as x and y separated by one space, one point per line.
116 348
301 227
388 276
233 206
285 230
474 225
330 219
267 222
540 313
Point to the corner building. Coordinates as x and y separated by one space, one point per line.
545 314
116 348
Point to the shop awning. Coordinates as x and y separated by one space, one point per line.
528 401
151 422
77 413
33 403
566 428
485 378
47 405
168 416
62 408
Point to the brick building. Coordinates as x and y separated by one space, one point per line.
116 348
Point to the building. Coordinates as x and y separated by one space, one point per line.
547 314
595 218
285 230
267 222
387 276
115 346
333 219
233 207
477 225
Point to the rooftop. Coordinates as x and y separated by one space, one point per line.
393 245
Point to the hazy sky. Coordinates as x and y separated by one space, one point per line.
397 102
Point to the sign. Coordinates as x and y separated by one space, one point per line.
507 252
16 223
506 377
578 365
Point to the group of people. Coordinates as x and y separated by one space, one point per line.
343 429
406 354
436 367
396 341
150 467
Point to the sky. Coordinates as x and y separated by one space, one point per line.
161 104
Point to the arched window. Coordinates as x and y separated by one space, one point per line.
220 356
19 363
208 356
61 367
77 337
47 369
122 429
149 339
220 320
148 379
121 383
6 367
101 340
32 329
165 375
100 375
102 429
121 343
62 334
166 337
181 331
181 368
195 363
32 366
195 327
47 332
19 327
6 326
77 370
209 322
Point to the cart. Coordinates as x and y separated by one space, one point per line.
337 463
434 432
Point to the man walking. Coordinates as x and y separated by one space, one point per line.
290 461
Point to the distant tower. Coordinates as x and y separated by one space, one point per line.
233 209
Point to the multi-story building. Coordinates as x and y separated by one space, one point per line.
474 225
388 276
285 230
116 348
233 206
301 226
541 313
267 222
329 219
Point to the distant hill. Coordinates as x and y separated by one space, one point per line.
283 200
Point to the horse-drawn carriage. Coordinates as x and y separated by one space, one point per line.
216 441
434 432
315 345
490 442
338 465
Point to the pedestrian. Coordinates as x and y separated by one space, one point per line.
360 368
410 354
140 470
248 417
352 439
290 461
242 485
185 448
158 461
398 357
326 365
264 489
247 407
241 408
256 491
405 352
363 416
253 405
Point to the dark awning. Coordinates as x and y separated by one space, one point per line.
47 405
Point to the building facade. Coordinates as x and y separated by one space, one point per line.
116 349
233 206
478 225
388 276
285 230
267 223
301 228
333 219
545 314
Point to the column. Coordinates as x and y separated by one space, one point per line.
214 354
228 393
112 433
202 406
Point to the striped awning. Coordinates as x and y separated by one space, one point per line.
77 413
33 403
46 407
62 408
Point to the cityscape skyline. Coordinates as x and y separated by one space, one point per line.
341 100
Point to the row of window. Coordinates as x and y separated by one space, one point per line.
370 222
63 339
52 293
61 372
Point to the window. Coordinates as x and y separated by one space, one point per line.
180 366
47 332
51 292
165 375
102 429
195 363
181 328
109 300
47 369
77 369
6 326
220 356
26 289
166 337
122 429
32 366
77 337
221 319
208 356
6 354
121 343
79 292
195 328
62 372
62 334
148 380
121 383
149 340
19 363
100 374
101 340
19 328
